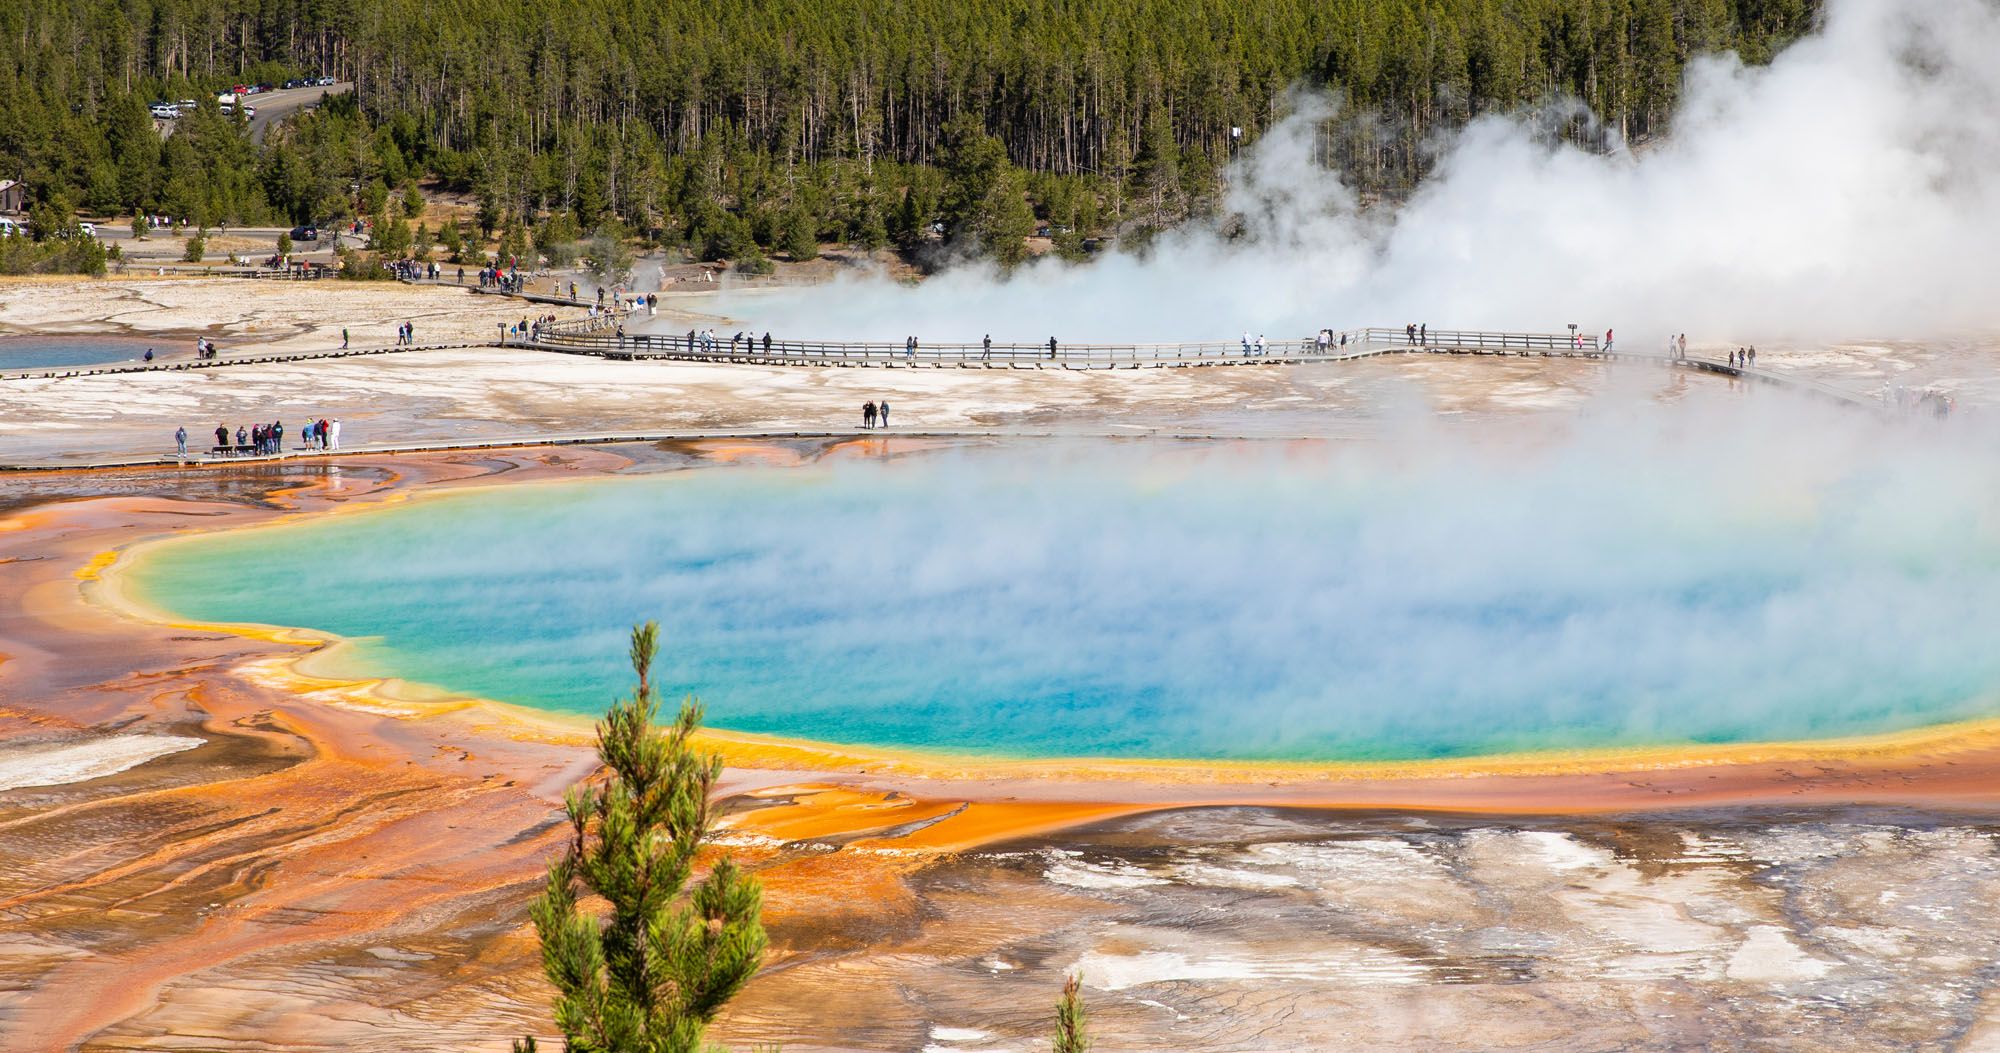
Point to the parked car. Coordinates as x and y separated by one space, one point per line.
303 233
184 105
293 83
8 228
325 82
239 89
89 229
249 111
165 112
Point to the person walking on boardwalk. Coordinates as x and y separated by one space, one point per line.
343 338
181 441
882 413
1607 339
868 414
1424 333
333 435
1052 349
767 341
986 348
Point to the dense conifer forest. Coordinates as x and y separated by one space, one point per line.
739 127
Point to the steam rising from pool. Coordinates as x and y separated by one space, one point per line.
1713 576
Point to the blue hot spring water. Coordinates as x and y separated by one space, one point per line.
1324 602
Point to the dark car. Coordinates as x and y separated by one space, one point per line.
290 84
304 233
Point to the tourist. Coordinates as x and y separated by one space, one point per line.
690 341
868 414
1246 342
1260 343
1424 334
1753 355
242 436
1052 348
278 437
1607 339
222 437
986 348
882 413
149 354
333 435
181 441
909 348
767 341
343 338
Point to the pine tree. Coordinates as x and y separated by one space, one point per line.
647 974
1072 1032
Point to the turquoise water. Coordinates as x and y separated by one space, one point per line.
36 352
1367 602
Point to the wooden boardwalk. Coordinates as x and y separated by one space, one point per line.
596 336
176 365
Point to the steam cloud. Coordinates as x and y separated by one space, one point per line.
1851 188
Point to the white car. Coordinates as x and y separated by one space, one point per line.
165 112
89 229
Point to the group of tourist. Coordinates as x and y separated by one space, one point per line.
406 335
707 340
415 270
264 439
1744 357
1327 339
504 281
204 348
1677 346
875 415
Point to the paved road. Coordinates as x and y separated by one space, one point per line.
273 106
276 105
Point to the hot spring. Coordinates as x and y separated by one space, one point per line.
1455 593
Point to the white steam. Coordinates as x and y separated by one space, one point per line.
1850 188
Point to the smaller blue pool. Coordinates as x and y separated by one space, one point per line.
42 352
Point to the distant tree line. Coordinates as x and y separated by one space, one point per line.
739 127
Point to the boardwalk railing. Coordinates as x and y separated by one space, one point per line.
601 335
